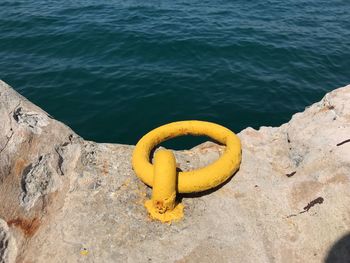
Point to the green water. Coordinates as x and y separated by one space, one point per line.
113 70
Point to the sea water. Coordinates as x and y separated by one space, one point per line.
113 70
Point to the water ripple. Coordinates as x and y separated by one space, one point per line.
112 70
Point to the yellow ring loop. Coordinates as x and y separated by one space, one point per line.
196 180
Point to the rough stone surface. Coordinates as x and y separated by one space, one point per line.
63 199
8 248
38 179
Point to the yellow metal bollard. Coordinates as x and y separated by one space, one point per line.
162 174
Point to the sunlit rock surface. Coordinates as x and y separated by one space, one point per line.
63 199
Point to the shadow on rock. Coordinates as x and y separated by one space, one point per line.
340 251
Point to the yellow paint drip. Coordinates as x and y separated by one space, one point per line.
84 252
162 175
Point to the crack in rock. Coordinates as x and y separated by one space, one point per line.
7 141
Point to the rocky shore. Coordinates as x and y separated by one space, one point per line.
64 199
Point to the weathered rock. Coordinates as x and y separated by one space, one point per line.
64 199
38 179
8 248
37 159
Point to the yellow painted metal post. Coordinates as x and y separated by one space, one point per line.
163 206
164 181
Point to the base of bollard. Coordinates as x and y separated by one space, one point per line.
169 216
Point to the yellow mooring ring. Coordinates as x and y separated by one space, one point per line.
162 174
196 180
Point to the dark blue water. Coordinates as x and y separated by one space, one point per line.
113 70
